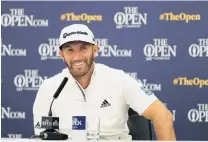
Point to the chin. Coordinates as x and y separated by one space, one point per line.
80 74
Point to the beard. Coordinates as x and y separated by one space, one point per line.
80 68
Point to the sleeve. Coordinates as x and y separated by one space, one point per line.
41 107
135 94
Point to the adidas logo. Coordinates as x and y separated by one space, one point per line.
105 104
37 125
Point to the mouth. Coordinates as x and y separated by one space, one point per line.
78 63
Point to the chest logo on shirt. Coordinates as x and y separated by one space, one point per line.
148 92
105 103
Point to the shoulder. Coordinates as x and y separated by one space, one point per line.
111 76
117 76
110 71
52 82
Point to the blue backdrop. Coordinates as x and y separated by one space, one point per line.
162 44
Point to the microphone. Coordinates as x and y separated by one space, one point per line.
58 91
51 123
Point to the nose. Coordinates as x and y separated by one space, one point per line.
77 55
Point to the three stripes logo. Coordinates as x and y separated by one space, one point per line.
105 104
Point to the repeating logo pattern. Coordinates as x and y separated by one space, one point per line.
166 51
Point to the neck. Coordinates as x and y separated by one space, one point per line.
84 81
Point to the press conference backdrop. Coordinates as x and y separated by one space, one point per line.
162 44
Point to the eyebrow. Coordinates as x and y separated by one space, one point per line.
66 45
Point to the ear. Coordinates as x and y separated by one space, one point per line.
95 50
61 54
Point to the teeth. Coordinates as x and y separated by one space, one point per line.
78 63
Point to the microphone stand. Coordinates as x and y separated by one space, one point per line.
52 134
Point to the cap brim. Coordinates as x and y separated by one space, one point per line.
60 47
76 38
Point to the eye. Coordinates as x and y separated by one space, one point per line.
70 50
83 48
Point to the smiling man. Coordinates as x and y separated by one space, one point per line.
97 88
79 57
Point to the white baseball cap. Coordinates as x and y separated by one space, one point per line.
76 32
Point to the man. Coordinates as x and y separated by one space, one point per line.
94 87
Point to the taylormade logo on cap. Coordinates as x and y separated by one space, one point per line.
76 32
72 33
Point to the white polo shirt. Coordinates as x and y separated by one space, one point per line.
109 95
